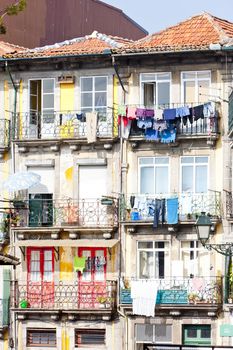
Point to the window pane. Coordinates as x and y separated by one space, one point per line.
146 160
100 83
203 91
48 101
187 179
147 180
189 75
149 94
201 178
204 75
192 333
161 160
48 86
163 333
201 160
148 77
189 92
161 180
163 76
205 333
145 245
86 100
144 332
100 99
146 264
163 93
86 84
187 160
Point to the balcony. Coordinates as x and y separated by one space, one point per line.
137 208
4 135
185 127
70 213
182 293
229 205
70 125
4 313
94 297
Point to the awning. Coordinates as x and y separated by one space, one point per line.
6 259
108 243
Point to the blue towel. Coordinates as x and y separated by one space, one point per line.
172 211
152 135
169 114
168 135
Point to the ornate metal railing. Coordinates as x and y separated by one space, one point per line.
178 290
186 126
4 312
4 133
70 212
229 204
190 205
64 296
59 125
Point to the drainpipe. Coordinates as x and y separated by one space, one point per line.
13 124
126 328
12 133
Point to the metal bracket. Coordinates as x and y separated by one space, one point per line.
57 253
23 252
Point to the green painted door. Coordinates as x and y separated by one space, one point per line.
40 210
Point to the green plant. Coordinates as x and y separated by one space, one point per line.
102 299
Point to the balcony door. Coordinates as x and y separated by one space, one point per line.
41 117
92 186
40 277
92 282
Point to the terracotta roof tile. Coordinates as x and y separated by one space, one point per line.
96 43
195 33
7 48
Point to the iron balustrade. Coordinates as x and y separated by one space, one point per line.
161 346
59 125
4 133
182 290
64 296
206 126
190 205
69 212
229 204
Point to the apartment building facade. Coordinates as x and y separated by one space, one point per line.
130 141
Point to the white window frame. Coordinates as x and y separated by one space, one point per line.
197 81
93 77
42 94
155 166
196 250
154 341
156 81
194 170
155 250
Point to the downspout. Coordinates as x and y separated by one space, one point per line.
123 168
12 134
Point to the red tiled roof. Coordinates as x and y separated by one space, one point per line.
7 48
96 43
195 33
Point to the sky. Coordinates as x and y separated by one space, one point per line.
154 15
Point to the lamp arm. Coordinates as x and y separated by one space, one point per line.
224 248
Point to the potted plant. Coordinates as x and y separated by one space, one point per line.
193 298
230 298
24 304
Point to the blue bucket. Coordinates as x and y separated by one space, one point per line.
134 216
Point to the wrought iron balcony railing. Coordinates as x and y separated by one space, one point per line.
181 290
58 125
64 296
70 212
4 133
138 207
4 312
207 126
229 204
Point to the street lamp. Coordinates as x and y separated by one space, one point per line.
203 227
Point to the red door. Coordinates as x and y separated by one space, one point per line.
92 283
40 280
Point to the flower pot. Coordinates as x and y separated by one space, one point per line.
24 304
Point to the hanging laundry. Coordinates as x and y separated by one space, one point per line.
168 136
91 126
152 135
198 112
172 211
149 113
160 125
125 129
122 110
144 295
182 112
158 113
209 110
131 112
140 112
79 263
144 123
169 114
160 211
81 117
